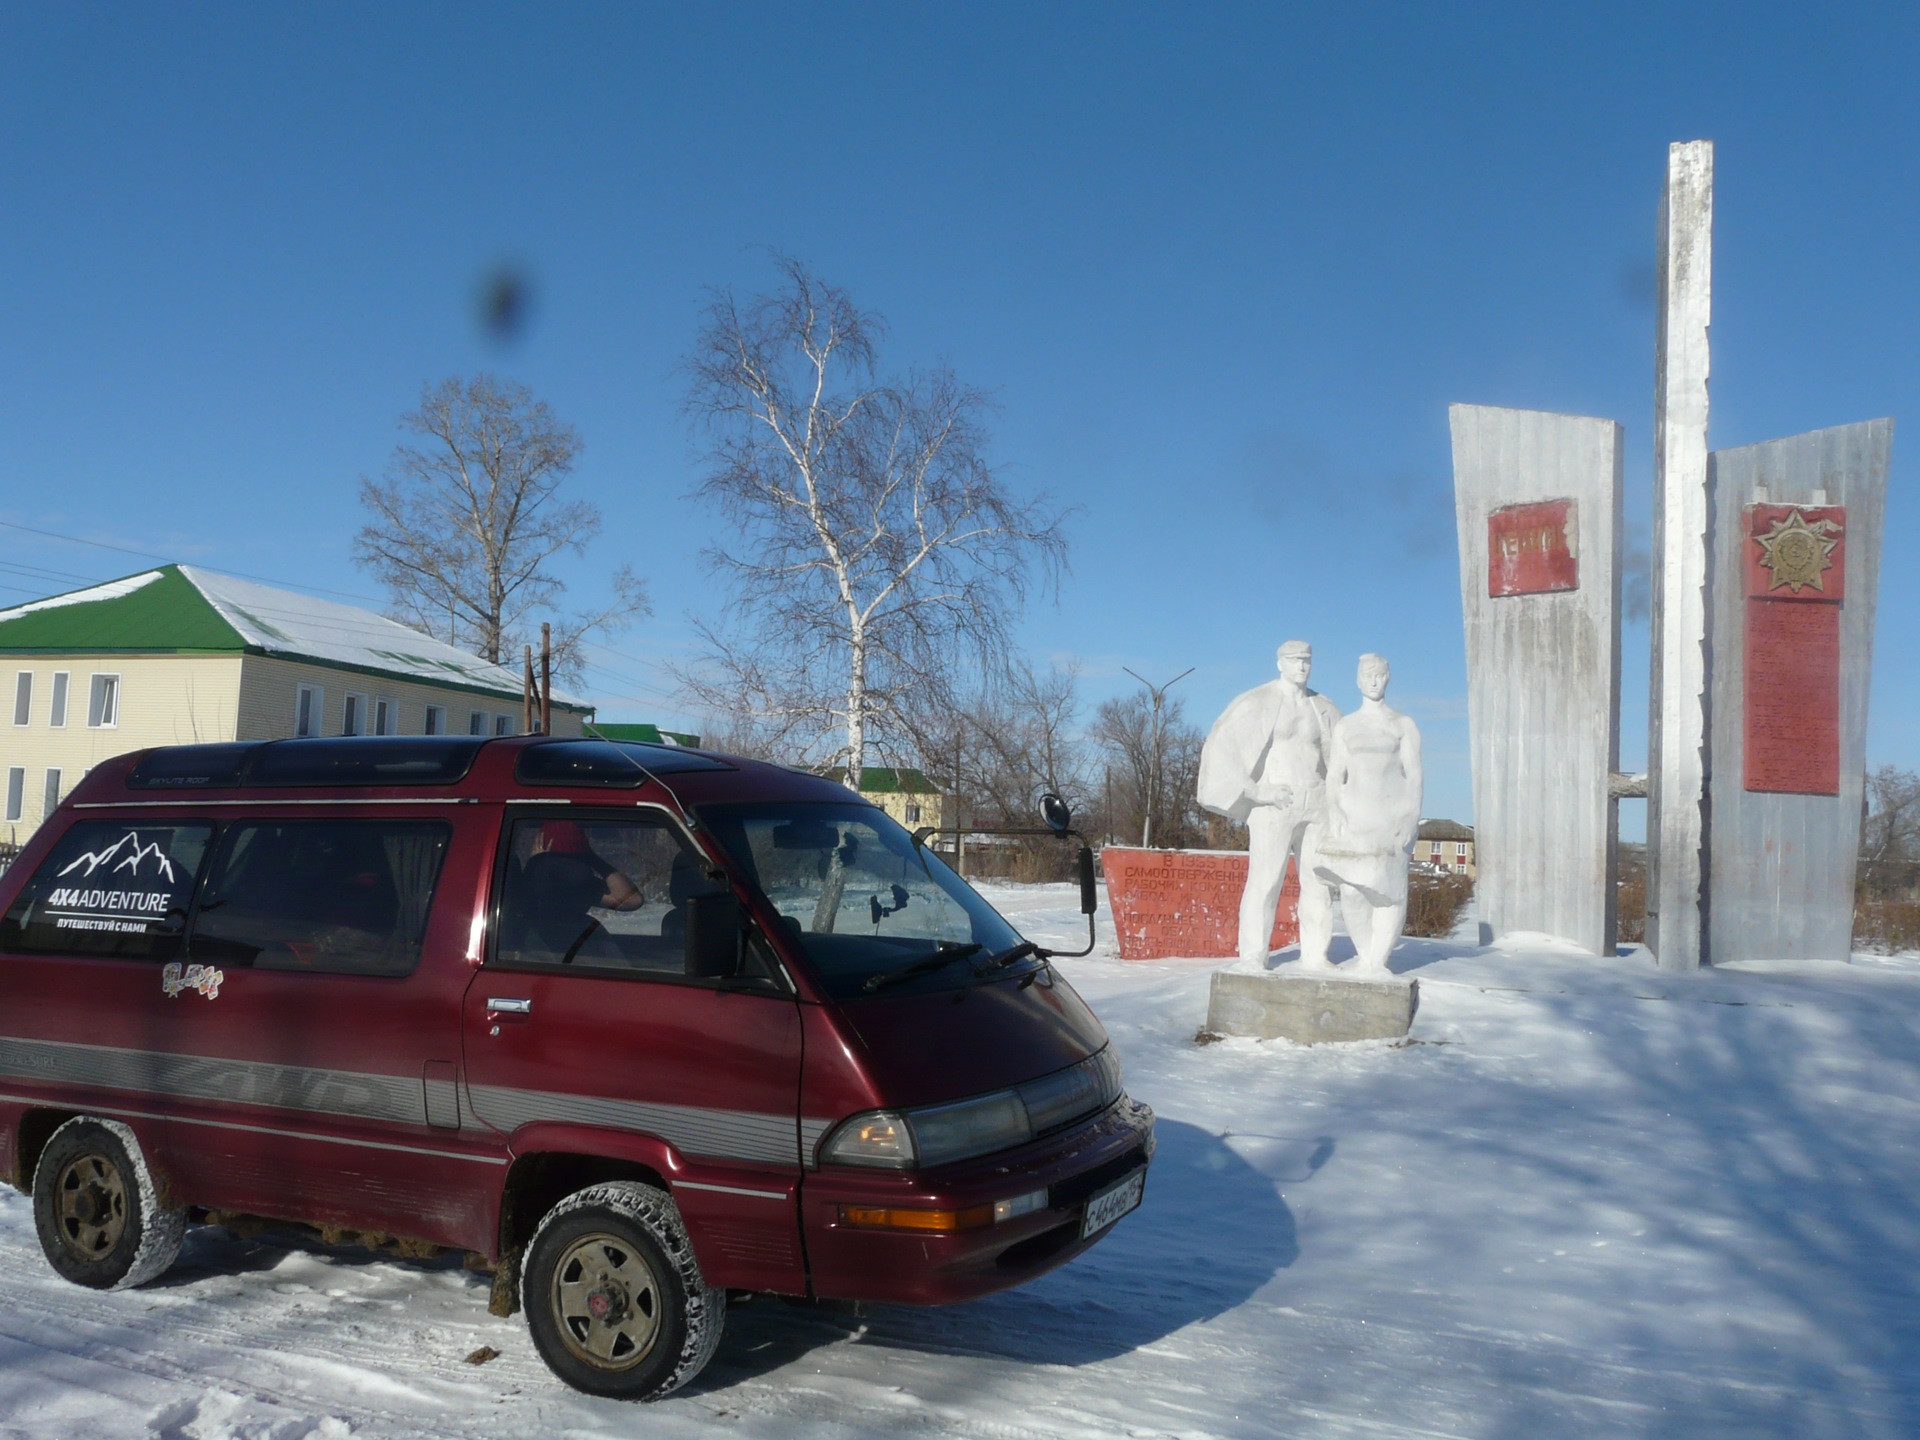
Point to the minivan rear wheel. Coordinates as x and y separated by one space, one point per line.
613 1294
96 1209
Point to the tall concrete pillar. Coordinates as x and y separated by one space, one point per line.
1796 565
1677 733
1537 498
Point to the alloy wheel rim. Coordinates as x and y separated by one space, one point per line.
606 1300
91 1200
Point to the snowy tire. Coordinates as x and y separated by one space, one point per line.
614 1297
96 1209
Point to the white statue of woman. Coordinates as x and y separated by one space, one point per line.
1373 812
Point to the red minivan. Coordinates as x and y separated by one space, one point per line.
633 1026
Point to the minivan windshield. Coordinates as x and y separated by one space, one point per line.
870 909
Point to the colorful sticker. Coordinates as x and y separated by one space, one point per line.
174 977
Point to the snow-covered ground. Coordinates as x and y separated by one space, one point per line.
1588 1198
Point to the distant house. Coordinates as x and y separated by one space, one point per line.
904 793
1448 844
179 654
646 734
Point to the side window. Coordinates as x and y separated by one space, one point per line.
342 897
598 895
110 889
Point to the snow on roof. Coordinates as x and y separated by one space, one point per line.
281 622
112 590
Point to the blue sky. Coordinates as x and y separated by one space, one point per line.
1223 267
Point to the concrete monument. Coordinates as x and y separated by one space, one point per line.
1264 764
1538 501
1373 811
1765 567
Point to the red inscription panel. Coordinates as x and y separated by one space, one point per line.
1186 902
1533 549
1796 579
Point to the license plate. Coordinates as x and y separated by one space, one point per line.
1113 1202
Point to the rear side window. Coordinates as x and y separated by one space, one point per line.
342 897
598 895
109 889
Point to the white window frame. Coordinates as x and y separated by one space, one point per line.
503 724
386 715
16 792
50 794
57 699
23 697
436 722
476 722
353 714
314 697
103 700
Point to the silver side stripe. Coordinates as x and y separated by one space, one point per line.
729 1190
399 1099
812 1132
694 1130
130 1113
744 1135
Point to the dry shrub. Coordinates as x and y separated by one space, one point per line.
1888 926
1434 903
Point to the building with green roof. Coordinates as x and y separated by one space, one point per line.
178 654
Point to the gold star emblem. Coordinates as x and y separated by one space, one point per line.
1796 553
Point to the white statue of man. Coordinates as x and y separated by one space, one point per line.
1373 812
1264 764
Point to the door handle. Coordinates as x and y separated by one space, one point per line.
497 1006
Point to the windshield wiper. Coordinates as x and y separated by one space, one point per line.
1006 957
944 955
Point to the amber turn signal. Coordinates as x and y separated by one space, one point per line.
894 1217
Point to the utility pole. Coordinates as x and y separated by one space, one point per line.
1159 694
546 678
526 693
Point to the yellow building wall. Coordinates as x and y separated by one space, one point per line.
269 700
895 803
163 700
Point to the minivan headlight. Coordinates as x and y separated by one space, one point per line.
938 1134
970 1127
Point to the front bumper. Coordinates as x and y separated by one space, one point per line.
915 1268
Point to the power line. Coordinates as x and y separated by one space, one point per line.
170 560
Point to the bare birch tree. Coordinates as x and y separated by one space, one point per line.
875 553
465 524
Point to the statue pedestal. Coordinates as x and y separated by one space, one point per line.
1309 1009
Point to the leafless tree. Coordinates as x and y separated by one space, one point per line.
1144 788
465 524
1892 829
875 554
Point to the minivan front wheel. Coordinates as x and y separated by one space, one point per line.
97 1211
614 1297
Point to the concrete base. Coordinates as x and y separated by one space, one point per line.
1310 1009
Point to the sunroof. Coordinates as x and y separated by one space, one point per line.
364 760
192 766
621 764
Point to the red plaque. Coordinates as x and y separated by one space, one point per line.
1796 580
1533 549
1187 902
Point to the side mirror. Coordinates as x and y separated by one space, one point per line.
716 935
1089 894
1054 812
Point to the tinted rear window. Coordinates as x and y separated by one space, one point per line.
109 888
